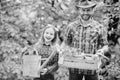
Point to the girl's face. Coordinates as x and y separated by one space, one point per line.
49 35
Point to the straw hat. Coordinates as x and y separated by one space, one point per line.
87 4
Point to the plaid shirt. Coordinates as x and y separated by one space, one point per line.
82 71
45 51
86 38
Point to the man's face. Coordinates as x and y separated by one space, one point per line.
86 13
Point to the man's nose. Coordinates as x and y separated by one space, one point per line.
85 12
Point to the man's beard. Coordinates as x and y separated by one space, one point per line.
85 17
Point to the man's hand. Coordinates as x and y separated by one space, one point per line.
101 53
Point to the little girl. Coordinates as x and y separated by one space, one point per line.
45 47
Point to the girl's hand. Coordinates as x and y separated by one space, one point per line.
44 71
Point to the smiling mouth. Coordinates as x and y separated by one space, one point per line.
86 16
48 38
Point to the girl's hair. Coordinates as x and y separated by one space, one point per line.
42 40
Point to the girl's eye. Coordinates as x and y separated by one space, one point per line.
46 32
51 34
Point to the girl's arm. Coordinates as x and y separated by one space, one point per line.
54 67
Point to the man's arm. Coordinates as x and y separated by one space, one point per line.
103 42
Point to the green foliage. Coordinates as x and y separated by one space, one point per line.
21 24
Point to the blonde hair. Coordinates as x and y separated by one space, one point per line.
41 39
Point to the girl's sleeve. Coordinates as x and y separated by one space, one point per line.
54 62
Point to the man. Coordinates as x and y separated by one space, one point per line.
86 36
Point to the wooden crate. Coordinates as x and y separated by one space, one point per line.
81 62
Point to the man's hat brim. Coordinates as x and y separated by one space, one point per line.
91 5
